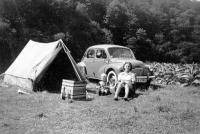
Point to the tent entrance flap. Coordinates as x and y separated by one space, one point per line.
51 79
77 71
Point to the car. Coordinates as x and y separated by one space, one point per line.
109 59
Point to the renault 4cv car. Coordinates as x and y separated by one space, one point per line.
109 59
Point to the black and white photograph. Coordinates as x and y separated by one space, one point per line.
99 66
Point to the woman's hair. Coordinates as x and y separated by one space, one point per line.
131 67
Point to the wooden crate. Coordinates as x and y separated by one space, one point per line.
73 89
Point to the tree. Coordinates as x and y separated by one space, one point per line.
119 20
97 11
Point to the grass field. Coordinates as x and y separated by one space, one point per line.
169 110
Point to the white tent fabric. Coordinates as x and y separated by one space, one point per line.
32 60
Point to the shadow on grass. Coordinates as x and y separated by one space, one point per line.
131 95
156 86
136 95
84 99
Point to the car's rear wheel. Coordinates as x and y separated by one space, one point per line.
112 81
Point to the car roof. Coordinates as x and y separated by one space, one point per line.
106 46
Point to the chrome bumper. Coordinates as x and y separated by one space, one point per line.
143 79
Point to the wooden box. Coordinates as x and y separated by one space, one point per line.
73 89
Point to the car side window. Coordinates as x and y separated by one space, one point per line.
101 54
91 53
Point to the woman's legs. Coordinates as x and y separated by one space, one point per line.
119 87
128 86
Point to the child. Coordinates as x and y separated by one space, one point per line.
103 89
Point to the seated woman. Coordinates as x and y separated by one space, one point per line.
126 79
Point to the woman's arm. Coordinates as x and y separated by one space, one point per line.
119 77
133 78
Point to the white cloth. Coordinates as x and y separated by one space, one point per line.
126 77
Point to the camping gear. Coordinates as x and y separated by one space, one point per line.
33 66
102 88
73 89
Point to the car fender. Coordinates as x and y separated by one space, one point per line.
101 70
114 66
82 67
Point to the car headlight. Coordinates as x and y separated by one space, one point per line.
149 67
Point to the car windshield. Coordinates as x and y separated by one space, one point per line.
118 52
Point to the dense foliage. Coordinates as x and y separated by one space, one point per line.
156 30
173 74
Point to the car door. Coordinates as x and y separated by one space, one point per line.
100 62
89 62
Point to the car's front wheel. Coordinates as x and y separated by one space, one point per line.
112 81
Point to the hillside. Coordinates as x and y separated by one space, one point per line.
156 30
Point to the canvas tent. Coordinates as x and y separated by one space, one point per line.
37 61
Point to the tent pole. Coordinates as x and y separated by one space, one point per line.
73 62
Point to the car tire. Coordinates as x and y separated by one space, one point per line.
112 81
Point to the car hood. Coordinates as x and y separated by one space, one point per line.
134 62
